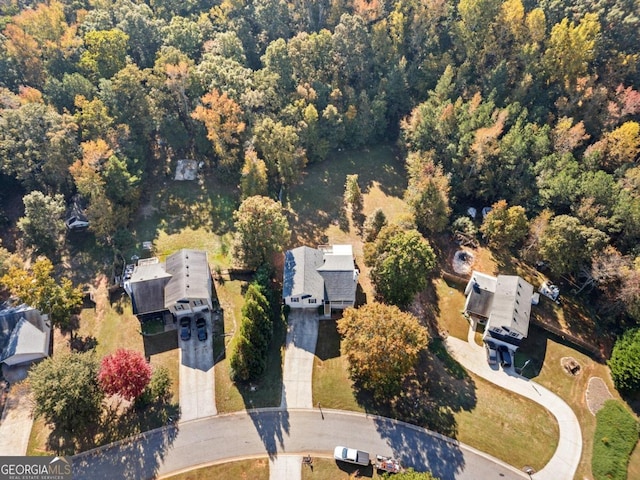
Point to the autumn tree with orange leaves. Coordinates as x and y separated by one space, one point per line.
222 118
381 343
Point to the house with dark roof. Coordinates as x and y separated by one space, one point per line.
504 303
325 276
180 286
24 335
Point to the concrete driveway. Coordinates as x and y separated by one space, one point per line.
565 460
302 335
16 422
197 379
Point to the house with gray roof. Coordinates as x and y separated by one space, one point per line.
24 335
504 303
165 291
325 276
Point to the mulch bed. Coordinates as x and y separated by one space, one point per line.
597 393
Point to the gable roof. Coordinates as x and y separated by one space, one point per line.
512 303
24 335
339 274
505 300
328 273
190 276
147 285
480 292
300 272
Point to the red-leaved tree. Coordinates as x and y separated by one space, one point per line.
125 372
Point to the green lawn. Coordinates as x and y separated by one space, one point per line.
265 392
546 352
255 469
475 411
615 437
316 202
451 299
328 469
331 387
501 425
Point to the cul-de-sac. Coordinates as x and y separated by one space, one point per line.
320 239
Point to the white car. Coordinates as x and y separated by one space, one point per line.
76 223
351 455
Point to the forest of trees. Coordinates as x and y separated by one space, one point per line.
531 104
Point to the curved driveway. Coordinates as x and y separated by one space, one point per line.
565 460
276 432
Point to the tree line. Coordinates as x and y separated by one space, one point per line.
531 107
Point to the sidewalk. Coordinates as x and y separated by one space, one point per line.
566 458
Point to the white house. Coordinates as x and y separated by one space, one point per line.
504 302
24 335
324 276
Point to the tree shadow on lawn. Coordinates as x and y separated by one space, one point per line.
328 345
431 394
317 202
533 349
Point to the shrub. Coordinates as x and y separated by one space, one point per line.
615 437
625 361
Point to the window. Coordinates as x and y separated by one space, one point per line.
198 302
295 300
312 300
513 334
179 307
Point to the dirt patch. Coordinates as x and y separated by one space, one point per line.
597 393
570 366
462 262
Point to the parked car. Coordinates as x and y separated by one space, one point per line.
351 455
492 353
76 223
505 356
201 327
185 328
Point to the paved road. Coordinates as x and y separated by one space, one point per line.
566 458
273 431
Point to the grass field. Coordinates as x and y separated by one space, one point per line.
547 370
331 387
615 437
451 301
267 391
329 469
256 469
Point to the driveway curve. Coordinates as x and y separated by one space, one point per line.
565 460
273 432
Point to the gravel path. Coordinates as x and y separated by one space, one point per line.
597 393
